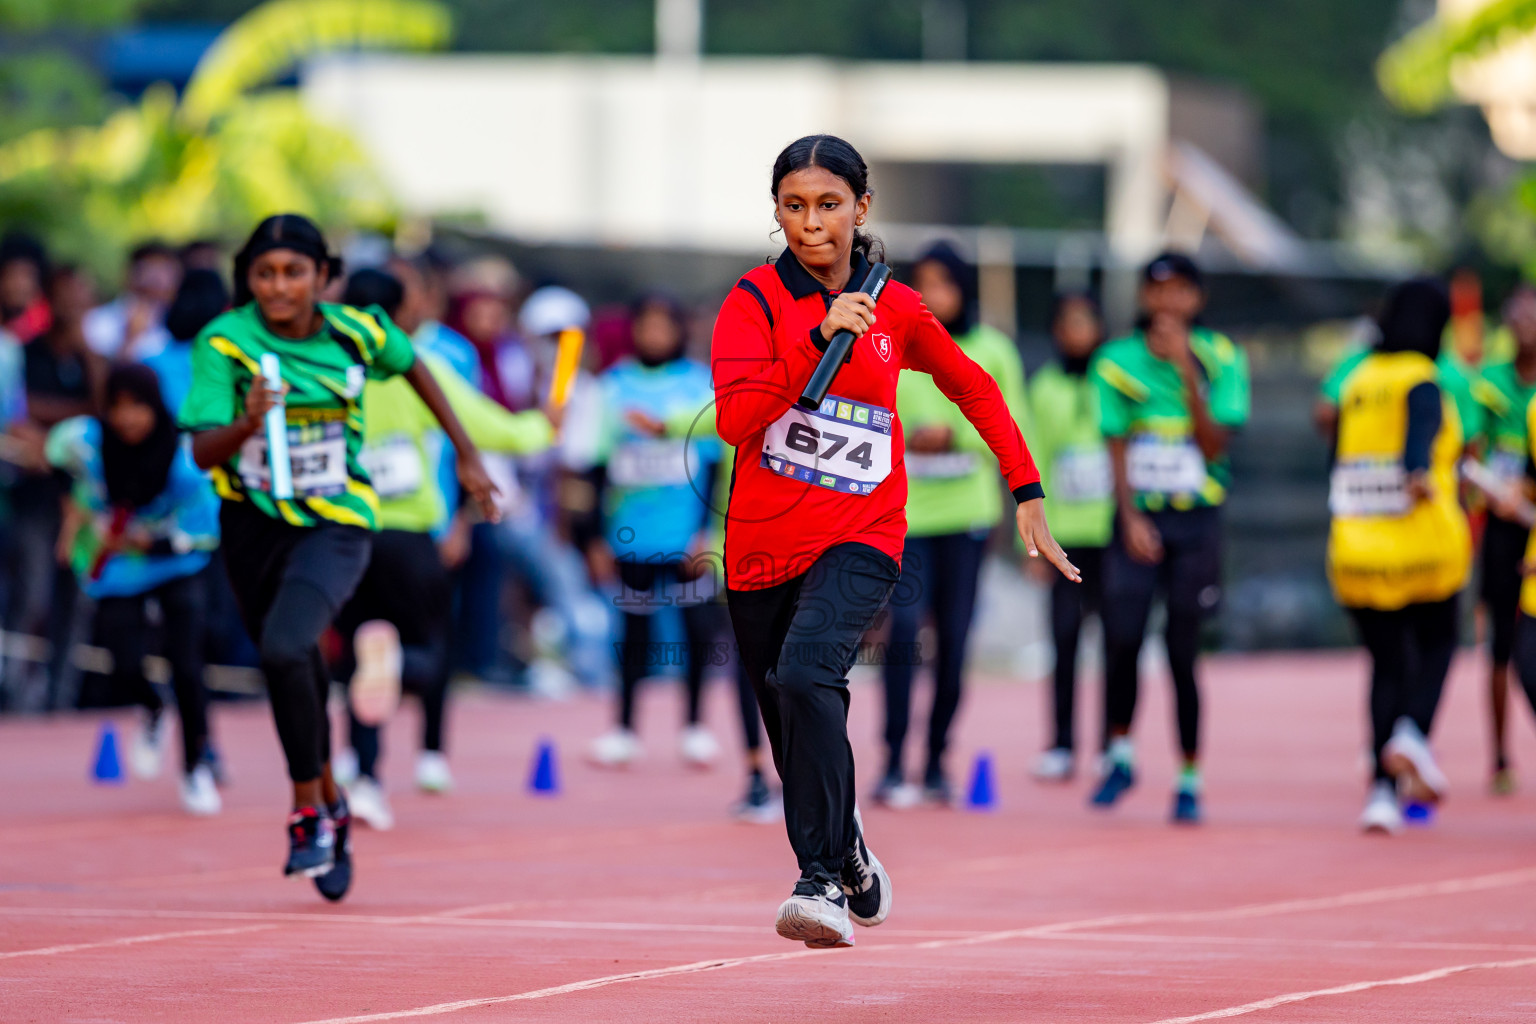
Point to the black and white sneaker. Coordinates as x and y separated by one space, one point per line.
816 914
311 843
865 881
333 885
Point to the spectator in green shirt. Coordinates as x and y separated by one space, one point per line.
1504 391
1170 396
1079 496
953 502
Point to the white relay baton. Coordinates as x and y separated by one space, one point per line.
1492 485
277 432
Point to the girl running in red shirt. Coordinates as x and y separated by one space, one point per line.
817 514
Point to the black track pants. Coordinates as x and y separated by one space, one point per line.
797 641
290 583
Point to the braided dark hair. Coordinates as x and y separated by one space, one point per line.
836 156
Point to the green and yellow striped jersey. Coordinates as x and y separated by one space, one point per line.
325 374
1141 399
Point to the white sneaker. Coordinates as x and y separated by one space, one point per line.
865 881
369 805
344 766
432 774
1054 765
1382 813
698 747
903 796
550 680
147 750
375 686
199 793
618 748
1408 759
816 914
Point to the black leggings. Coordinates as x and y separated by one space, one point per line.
1071 603
122 627
1503 551
1189 577
797 640
938 574
291 582
650 585
1411 650
406 585
1525 656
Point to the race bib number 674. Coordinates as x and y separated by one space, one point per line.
843 446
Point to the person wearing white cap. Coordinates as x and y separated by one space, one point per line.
573 621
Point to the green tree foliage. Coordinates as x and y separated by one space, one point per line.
226 154
1415 73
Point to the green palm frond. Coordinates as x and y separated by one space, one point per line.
1415 73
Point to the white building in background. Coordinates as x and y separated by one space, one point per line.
676 153
634 151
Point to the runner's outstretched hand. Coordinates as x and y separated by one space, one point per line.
478 485
1038 540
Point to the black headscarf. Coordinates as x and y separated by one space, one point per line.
373 287
1414 316
136 474
673 307
201 297
964 276
1076 366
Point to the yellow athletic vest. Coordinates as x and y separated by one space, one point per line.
1385 552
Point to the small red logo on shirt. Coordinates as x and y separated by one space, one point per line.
882 345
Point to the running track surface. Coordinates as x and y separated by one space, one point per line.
632 897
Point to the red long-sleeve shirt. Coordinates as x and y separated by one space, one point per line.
783 514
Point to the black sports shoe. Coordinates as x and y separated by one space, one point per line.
816 914
758 805
333 885
311 843
936 788
864 880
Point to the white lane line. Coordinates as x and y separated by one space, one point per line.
1456 885
1341 990
132 940
439 1009
444 918
1248 940
1419 890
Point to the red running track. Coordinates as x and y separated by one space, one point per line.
632 897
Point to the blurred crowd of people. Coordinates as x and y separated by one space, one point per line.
538 596
604 569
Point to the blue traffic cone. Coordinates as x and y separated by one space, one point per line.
983 794
1419 814
108 769
544 780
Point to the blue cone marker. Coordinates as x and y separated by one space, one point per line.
277 432
107 769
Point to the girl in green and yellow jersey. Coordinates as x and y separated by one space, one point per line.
293 562
1170 397
1399 549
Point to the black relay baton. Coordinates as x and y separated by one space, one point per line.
840 345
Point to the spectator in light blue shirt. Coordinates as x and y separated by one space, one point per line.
141 524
